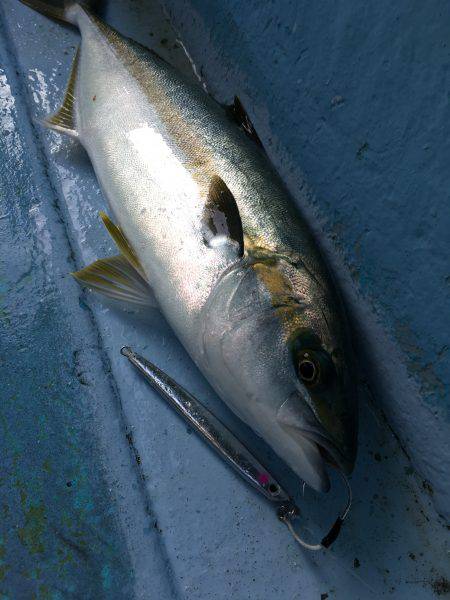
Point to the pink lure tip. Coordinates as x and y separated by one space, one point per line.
263 478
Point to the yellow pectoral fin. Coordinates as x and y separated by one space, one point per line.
116 278
221 221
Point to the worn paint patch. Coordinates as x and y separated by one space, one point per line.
31 534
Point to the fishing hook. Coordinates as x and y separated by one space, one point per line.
286 513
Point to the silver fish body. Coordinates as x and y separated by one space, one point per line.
266 328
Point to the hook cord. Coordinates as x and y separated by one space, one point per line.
286 517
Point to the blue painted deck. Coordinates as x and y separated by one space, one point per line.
104 493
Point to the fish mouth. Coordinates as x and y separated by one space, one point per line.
299 421
307 460
331 454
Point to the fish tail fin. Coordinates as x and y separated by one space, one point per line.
61 10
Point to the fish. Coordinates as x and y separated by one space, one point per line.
208 232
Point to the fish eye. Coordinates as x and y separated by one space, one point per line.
308 368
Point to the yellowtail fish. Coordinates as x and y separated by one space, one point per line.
208 232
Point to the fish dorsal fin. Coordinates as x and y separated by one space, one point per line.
63 119
115 278
122 243
221 221
240 116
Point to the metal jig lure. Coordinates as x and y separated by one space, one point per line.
231 449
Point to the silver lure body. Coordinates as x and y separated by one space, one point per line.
156 142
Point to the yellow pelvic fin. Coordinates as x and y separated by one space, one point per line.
116 278
122 243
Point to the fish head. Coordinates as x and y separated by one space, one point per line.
276 349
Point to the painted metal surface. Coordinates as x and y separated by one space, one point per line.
150 512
